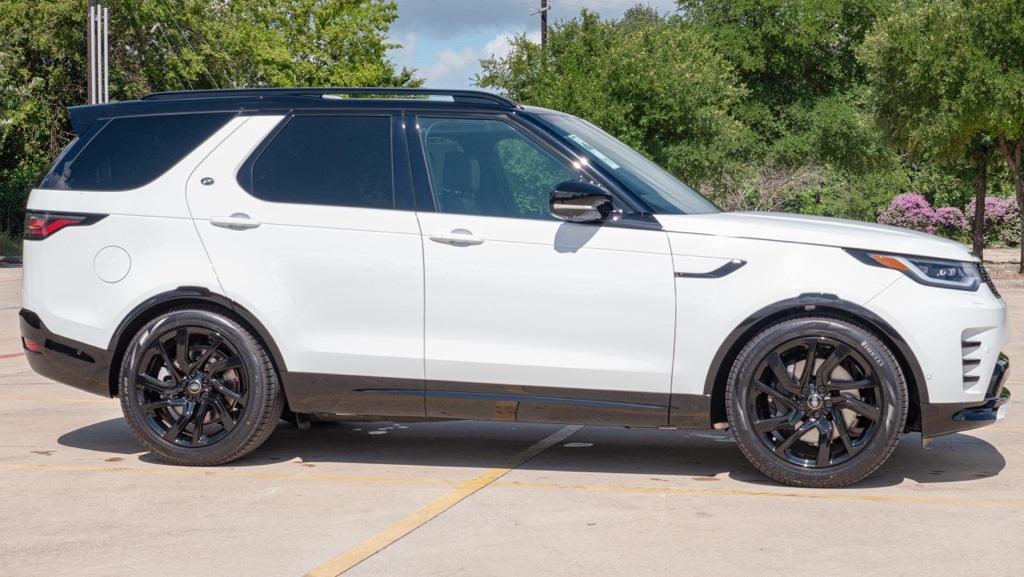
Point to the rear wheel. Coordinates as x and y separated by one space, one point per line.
816 402
197 388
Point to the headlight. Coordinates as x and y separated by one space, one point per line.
952 274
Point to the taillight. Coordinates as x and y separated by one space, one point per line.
31 345
39 225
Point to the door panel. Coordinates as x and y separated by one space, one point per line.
339 288
547 309
530 318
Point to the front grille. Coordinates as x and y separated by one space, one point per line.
988 280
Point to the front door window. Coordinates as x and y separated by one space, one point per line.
487 167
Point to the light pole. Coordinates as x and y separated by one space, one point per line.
543 11
544 23
98 40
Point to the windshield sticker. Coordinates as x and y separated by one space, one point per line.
600 155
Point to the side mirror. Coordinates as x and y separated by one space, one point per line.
578 201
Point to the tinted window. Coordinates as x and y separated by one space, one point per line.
131 152
489 168
332 160
662 191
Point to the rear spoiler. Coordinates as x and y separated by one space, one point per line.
84 116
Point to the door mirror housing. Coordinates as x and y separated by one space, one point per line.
578 201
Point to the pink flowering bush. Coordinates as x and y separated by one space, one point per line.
1002 220
949 220
910 210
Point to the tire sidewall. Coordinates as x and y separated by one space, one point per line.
248 351
893 403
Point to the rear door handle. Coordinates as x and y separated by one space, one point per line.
457 237
237 221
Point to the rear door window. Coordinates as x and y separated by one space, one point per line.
337 160
131 152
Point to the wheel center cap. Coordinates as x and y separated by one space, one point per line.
194 386
815 401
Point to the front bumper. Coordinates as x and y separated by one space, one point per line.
64 360
945 418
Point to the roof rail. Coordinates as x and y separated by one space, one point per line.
468 96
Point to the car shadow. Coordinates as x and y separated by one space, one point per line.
702 455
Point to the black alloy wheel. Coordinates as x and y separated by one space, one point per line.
198 388
816 401
191 386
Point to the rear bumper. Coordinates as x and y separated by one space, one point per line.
64 360
944 418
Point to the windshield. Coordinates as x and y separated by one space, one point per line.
659 189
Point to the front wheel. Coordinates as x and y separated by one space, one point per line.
197 388
816 402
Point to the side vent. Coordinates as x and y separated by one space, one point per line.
970 354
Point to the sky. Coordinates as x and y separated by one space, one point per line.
445 39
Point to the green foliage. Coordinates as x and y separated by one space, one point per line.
947 79
206 44
855 196
789 54
807 99
169 45
836 130
652 81
788 51
944 71
35 71
531 174
811 189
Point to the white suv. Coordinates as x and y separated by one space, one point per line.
219 259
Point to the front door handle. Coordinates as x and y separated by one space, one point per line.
457 237
237 221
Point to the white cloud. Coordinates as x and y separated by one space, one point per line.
406 55
501 45
445 39
450 66
447 19
454 67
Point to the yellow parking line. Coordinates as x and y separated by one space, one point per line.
170 471
463 489
826 495
411 522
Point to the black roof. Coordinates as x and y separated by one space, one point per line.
283 99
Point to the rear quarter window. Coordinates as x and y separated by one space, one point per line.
342 160
130 152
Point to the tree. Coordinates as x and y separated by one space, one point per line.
169 45
806 100
650 80
789 53
948 80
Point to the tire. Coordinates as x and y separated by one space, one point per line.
221 407
828 427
